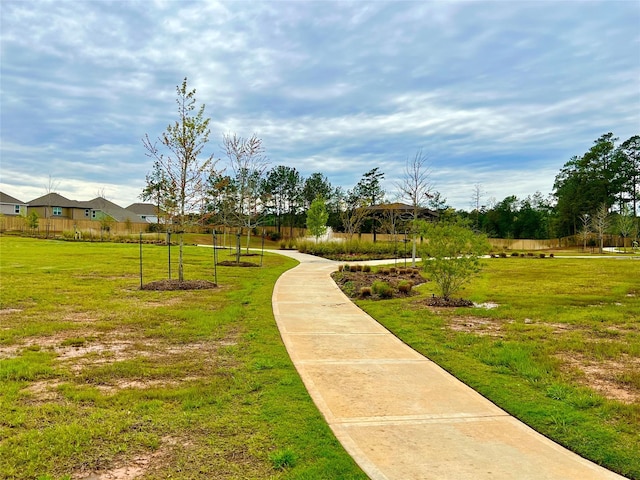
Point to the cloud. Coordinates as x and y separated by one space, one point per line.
335 87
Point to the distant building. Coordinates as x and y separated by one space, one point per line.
146 212
11 206
54 205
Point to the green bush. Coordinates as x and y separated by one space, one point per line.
382 289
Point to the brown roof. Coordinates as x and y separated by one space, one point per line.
4 198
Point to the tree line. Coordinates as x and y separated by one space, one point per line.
242 192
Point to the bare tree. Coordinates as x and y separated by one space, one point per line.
415 188
50 187
186 171
248 163
585 230
600 224
353 212
624 224
476 201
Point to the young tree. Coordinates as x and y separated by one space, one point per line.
248 164
317 217
353 212
585 229
600 224
160 191
624 224
415 188
182 162
32 221
451 256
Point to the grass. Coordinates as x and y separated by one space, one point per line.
563 340
96 374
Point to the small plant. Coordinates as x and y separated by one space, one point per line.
405 286
365 292
357 268
346 268
382 289
551 255
385 271
503 254
402 271
515 254
393 270
283 459
340 268
366 268
542 255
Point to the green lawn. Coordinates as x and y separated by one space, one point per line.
97 375
561 350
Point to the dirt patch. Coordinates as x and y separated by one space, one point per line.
178 285
7 311
604 375
477 326
137 466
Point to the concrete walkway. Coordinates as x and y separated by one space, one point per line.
399 415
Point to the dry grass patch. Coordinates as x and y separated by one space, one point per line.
606 376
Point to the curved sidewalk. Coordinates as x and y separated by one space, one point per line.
398 414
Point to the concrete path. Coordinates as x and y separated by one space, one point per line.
399 415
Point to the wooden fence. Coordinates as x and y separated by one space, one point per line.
92 228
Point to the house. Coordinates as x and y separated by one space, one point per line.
54 205
11 206
147 212
102 208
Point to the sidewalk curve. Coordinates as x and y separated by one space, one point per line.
399 415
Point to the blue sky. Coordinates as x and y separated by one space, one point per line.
498 93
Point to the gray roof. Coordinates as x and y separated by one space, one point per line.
116 212
4 198
57 200
147 209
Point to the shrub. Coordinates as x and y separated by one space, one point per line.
393 270
382 289
402 271
542 255
366 268
347 268
340 268
357 268
365 292
405 287
503 255
515 254
274 236
551 255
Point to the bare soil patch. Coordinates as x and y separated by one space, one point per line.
604 375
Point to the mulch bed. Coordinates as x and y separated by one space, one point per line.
351 282
178 285
231 263
447 302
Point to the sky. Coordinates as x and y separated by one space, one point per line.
498 95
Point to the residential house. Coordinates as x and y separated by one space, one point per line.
54 205
147 212
11 206
103 208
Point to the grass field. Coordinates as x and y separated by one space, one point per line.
559 349
97 375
